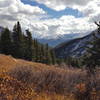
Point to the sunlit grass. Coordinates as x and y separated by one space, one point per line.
23 80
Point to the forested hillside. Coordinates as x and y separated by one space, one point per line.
22 45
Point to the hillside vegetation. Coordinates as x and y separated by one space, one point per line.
22 45
23 80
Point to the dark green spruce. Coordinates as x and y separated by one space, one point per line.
6 42
29 48
17 41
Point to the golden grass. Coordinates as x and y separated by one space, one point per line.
12 89
24 80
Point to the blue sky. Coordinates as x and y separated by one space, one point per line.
53 13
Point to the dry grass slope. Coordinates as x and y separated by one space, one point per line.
23 80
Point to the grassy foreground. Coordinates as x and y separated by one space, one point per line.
23 80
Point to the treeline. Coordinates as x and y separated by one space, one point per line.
70 62
22 45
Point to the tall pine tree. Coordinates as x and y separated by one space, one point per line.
48 55
6 43
29 48
17 41
53 57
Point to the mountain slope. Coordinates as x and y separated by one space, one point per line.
75 47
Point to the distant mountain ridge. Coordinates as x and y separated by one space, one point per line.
60 39
75 47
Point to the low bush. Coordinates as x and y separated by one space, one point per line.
50 79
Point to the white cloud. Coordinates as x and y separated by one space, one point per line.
15 10
70 24
62 4
89 8
30 16
5 3
65 25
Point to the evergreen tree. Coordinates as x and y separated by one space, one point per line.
29 50
53 57
42 53
17 41
34 49
24 47
36 44
6 43
48 55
